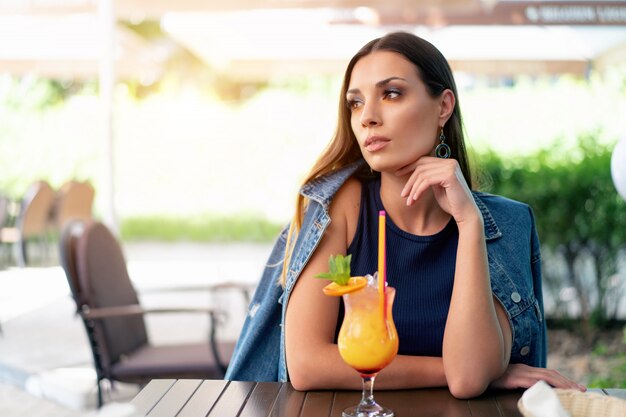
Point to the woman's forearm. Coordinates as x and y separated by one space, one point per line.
332 373
473 346
412 372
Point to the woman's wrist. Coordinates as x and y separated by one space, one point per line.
471 224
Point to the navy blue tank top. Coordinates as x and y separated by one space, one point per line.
420 268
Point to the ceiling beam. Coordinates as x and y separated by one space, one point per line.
388 13
156 8
159 7
543 13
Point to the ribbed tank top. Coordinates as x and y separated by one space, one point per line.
420 268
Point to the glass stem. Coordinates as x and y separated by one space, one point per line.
368 391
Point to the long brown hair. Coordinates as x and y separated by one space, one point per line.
433 69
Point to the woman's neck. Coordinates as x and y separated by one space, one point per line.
424 217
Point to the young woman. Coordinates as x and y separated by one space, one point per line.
465 265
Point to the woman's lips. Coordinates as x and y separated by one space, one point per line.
376 143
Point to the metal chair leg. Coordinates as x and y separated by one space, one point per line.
213 341
100 401
20 256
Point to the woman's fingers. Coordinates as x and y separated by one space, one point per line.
557 380
446 180
425 173
524 376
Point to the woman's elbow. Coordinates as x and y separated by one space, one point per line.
468 382
301 378
467 387
300 383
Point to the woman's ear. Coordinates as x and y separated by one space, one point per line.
448 101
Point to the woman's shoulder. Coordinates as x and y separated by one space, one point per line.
349 189
345 208
347 200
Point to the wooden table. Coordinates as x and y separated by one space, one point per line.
199 398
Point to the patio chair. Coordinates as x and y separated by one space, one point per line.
32 222
4 223
73 201
4 210
114 320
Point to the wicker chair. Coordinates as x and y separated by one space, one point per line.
114 320
32 222
73 201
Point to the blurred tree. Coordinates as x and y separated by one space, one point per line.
37 94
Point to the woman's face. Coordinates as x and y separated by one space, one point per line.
393 117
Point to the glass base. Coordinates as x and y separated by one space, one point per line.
367 410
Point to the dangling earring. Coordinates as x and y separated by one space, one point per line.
442 150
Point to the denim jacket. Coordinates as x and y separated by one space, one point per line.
514 269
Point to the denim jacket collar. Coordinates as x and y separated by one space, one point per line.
491 228
322 189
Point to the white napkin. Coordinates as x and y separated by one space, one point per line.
542 401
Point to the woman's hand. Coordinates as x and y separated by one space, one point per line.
518 375
446 179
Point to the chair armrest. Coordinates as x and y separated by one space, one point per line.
136 310
229 285
202 287
245 288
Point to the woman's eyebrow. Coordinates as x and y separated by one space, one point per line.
379 84
388 80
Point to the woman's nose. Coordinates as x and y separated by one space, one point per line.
370 116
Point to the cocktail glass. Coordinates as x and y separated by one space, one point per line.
368 342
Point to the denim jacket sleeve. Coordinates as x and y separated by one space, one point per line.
538 292
255 357
515 272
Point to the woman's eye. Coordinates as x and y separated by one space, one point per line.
354 104
392 93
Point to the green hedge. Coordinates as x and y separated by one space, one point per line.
199 229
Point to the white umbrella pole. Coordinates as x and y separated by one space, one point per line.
107 81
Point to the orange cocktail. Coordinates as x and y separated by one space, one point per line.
368 341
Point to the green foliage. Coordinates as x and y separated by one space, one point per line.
338 269
615 374
573 197
616 377
600 349
147 29
577 210
31 93
199 229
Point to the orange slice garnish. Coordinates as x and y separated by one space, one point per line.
354 284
